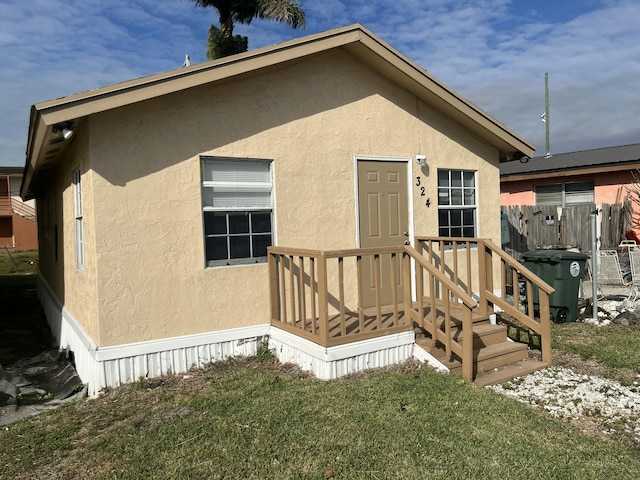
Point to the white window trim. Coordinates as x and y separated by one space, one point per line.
473 207
79 223
231 186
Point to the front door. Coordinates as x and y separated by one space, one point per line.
384 221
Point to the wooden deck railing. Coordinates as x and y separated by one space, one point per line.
454 257
437 296
320 295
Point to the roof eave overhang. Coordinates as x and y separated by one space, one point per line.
571 172
355 39
422 84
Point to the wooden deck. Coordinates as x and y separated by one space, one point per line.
319 295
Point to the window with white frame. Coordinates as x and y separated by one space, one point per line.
77 200
237 204
563 194
457 203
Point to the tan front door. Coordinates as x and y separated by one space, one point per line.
384 220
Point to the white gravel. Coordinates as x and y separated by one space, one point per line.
566 394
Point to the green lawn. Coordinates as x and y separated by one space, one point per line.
18 262
249 419
258 419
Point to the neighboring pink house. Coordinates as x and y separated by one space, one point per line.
602 175
18 228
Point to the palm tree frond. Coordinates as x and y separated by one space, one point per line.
284 11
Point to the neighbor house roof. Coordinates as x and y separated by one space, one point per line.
11 170
48 118
607 159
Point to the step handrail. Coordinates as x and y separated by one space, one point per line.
536 280
543 327
469 301
464 348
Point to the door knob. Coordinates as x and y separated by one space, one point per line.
406 234
407 242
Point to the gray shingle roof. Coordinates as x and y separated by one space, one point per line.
598 157
11 170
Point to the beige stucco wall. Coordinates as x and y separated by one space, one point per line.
76 288
146 268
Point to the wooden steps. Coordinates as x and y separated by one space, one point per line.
509 372
496 358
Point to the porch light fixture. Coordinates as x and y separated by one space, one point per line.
422 160
64 128
521 157
66 133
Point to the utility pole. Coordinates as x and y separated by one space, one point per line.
546 112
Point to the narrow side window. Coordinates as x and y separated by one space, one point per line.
77 201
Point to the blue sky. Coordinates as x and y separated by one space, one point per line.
493 52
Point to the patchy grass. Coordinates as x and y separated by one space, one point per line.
18 262
612 350
256 418
252 420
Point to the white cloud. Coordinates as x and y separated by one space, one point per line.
495 52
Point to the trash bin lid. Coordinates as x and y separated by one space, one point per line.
554 256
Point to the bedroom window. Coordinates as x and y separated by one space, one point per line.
237 204
77 201
457 203
563 194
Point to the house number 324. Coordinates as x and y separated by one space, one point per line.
423 193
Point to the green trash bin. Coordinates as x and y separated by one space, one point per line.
563 270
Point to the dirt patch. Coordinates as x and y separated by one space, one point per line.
591 367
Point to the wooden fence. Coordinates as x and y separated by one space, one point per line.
528 227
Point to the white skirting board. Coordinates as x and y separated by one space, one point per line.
334 362
116 365
101 367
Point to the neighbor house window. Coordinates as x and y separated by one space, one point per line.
237 203
457 203
77 201
563 194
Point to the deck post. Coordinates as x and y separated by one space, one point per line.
273 288
545 326
323 305
467 345
482 276
406 287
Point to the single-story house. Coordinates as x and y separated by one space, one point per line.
167 204
18 230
